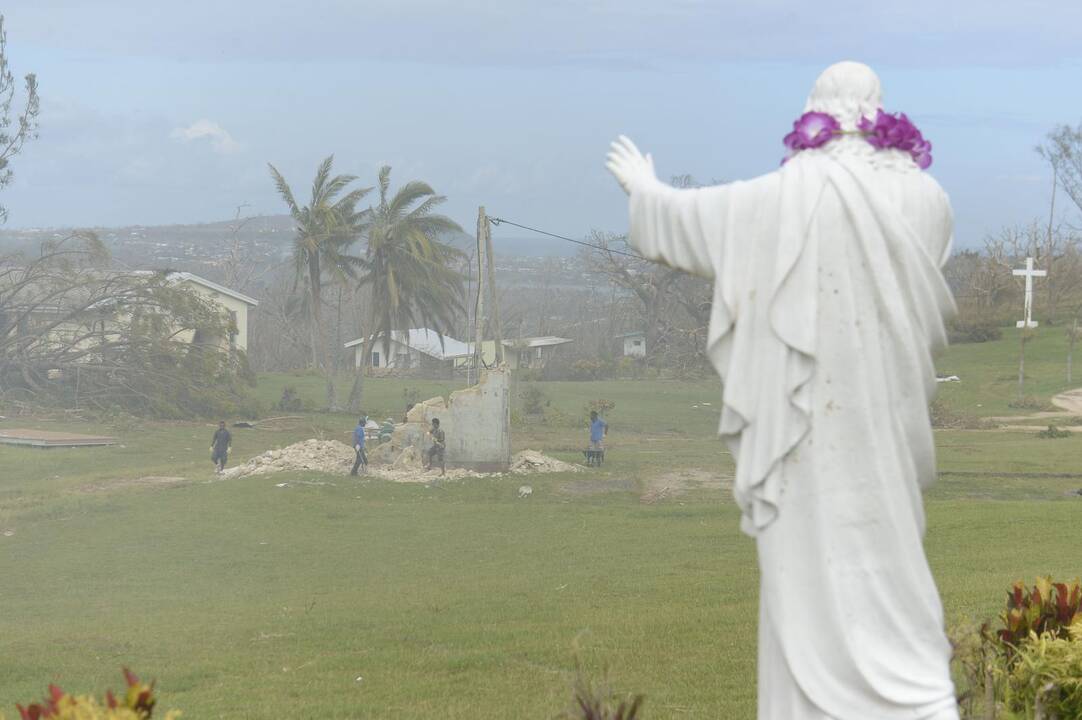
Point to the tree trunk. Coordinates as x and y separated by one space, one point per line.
650 339
1022 367
1070 348
1049 254
356 392
319 338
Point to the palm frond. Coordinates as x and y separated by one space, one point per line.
426 207
285 191
320 181
407 195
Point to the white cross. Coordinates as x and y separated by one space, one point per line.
1029 274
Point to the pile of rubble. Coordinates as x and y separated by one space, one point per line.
325 456
335 458
531 461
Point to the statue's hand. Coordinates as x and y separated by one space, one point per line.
628 165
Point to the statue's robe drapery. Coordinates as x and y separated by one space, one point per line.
828 303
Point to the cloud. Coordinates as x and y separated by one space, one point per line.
219 137
607 33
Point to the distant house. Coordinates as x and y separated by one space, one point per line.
235 304
523 353
76 319
419 349
634 344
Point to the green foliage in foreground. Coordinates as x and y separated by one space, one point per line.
1029 665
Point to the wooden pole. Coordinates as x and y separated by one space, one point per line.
490 260
479 313
1022 365
469 294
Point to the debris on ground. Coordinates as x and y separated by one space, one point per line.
531 461
336 458
326 456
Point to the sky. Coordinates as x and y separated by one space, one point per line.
169 112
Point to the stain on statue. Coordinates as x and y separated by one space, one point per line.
828 304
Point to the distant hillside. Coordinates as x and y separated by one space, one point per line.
272 233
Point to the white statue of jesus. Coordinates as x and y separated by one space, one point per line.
828 303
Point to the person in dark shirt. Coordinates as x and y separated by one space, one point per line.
220 445
358 445
439 446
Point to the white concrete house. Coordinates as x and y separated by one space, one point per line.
634 344
67 320
532 352
527 352
416 349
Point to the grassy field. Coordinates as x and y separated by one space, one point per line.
989 372
340 598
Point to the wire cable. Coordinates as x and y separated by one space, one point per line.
599 248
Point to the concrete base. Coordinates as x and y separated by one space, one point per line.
476 421
50 439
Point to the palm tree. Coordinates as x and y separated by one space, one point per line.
410 274
326 227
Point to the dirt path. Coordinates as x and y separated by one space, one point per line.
1069 402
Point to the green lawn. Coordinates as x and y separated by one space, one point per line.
454 601
989 372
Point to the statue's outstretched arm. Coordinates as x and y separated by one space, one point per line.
681 228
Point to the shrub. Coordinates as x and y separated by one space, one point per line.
534 400
555 417
592 369
1030 403
600 406
972 331
1031 666
943 417
1047 674
290 400
597 700
1047 607
410 396
137 703
1053 432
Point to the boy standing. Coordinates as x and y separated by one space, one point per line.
358 445
220 445
439 445
598 430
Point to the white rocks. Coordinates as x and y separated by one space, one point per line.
325 456
335 458
531 461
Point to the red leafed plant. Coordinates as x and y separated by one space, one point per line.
137 703
1047 607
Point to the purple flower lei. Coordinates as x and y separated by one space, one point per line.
887 131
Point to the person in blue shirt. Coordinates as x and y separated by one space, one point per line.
598 430
358 445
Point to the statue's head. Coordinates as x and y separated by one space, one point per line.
846 90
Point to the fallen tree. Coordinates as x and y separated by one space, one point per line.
77 334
